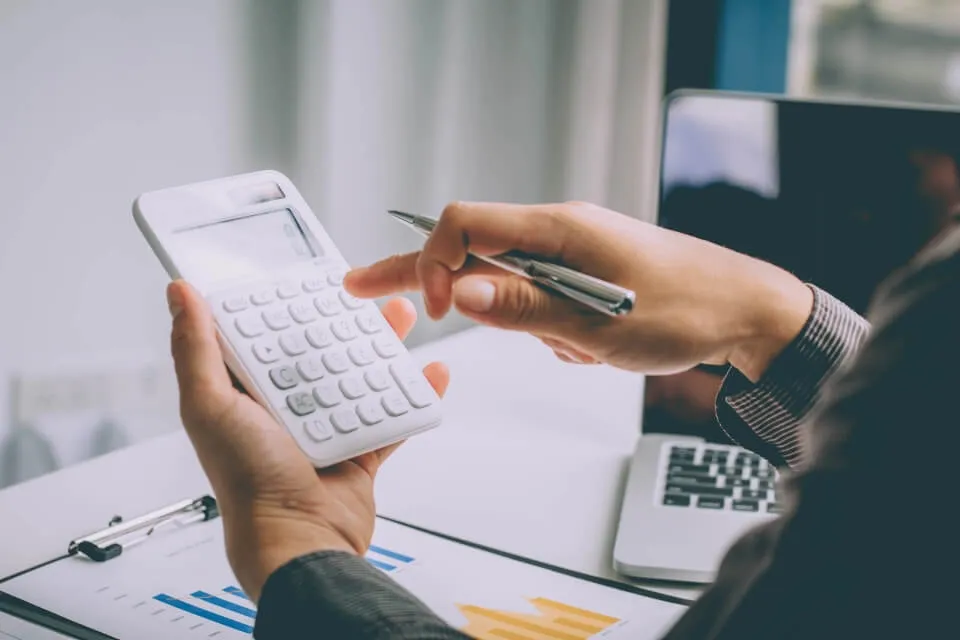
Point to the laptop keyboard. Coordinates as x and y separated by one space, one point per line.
712 477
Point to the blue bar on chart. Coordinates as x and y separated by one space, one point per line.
236 591
224 604
385 559
201 612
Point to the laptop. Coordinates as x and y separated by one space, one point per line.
837 192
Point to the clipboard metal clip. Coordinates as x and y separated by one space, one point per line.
110 542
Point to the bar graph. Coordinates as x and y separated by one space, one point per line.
230 608
387 560
554 621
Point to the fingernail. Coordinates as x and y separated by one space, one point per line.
174 299
475 295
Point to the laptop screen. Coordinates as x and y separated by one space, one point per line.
839 194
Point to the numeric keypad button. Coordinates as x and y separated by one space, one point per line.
287 290
303 312
319 337
266 351
234 304
301 403
277 319
352 388
314 284
349 301
386 346
327 395
370 412
361 354
284 377
310 369
343 329
394 403
414 386
377 379
369 322
345 420
293 344
328 304
250 326
317 430
262 297
336 362
335 277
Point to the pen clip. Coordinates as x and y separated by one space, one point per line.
597 294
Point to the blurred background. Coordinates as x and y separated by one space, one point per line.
366 105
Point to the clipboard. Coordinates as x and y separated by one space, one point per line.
181 586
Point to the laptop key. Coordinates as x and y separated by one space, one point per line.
700 490
738 482
747 494
710 502
704 481
688 468
674 500
746 505
774 507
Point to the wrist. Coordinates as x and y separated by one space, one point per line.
266 547
777 309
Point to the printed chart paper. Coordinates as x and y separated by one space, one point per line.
178 585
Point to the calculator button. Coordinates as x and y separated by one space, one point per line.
287 290
327 395
303 312
336 362
345 420
250 326
386 346
370 412
301 403
319 337
312 285
311 369
343 329
377 379
277 319
361 354
328 304
394 403
413 385
293 344
262 297
349 301
369 322
335 277
266 351
284 377
318 430
352 388
234 304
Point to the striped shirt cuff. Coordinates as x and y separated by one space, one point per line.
767 416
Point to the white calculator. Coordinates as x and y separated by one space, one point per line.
324 363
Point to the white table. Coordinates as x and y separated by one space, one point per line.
531 459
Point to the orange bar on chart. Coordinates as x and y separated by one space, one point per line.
555 621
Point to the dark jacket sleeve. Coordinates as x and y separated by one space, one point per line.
333 594
868 537
767 417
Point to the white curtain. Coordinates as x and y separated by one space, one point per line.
409 104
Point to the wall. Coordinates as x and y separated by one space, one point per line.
102 100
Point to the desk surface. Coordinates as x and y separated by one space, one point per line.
531 459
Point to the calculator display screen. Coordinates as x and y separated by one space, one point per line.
244 246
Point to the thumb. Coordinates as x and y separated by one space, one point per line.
201 374
511 302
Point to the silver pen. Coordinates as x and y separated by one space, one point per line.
597 294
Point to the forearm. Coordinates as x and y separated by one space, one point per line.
767 416
333 594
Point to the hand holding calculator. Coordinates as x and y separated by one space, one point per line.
324 363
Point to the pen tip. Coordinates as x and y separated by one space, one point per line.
400 215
